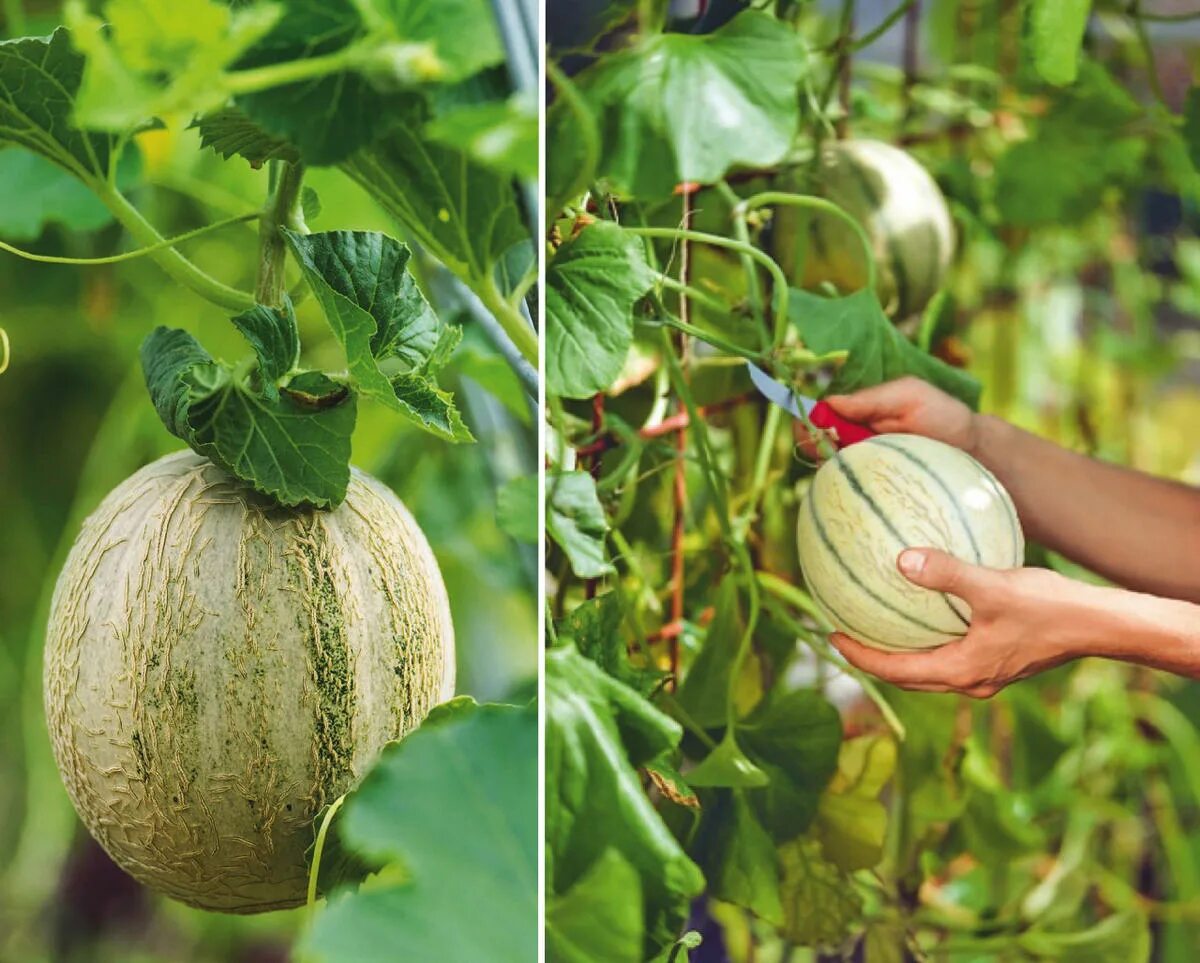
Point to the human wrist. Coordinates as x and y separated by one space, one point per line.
979 435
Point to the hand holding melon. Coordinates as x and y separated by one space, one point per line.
894 492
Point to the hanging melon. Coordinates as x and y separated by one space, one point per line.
219 669
883 495
903 212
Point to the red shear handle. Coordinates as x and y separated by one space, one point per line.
848 432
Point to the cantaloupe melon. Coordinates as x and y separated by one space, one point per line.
219 669
886 494
903 212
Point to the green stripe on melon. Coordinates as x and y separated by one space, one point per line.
875 499
903 211
219 669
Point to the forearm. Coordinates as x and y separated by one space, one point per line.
1138 531
1145 630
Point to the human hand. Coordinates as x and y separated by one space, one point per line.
908 405
1023 621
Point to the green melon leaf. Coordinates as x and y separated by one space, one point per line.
878 352
39 193
464 214
231 133
820 903
794 738
411 43
600 917
502 136
688 107
575 520
297 452
851 822
517 509
422 402
275 338
1056 29
597 731
595 628
592 285
704 691
378 313
149 59
39 78
450 812
740 862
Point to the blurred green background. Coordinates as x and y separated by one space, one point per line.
75 420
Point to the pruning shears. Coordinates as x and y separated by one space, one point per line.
800 406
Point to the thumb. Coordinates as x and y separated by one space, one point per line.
933 569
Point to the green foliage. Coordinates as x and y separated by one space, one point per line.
451 809
877 351
592 285
41 193
597 731
379 314
38 79
294 447
500 136
1056 32
669 106
463 213
575 520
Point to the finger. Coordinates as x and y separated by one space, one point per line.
926 671
933 569
888 400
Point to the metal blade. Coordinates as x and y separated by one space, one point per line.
779 393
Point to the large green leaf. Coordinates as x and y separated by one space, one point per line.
688 107
739 857
463 213
147 59
378 313
38 193
575 520
595 628
878 352
820 903
851 821
500 135
451 814
794 738
293 446
592 285
1056 30
39 78
597 731
600 917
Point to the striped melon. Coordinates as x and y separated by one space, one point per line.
893 197
218 669
881 496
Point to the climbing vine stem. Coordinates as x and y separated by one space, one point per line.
129 255
168 258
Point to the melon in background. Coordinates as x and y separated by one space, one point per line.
903 212
883 495
219 669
